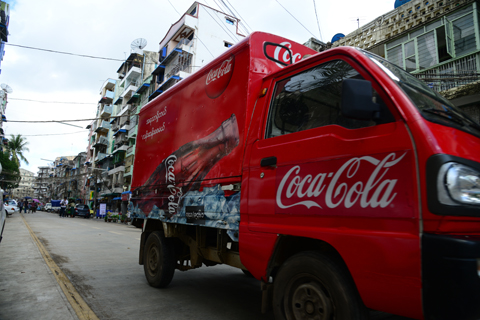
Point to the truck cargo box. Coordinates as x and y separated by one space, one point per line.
191 138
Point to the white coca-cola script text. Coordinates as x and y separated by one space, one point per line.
215 74
344 188
175 192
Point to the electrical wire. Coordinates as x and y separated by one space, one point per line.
295 18
62 52
51 134
75 120
51 101
243 20
318 23
228 32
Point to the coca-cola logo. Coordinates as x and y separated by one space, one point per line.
361 182
219 77
175 192
283 55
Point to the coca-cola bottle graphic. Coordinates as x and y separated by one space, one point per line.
185 169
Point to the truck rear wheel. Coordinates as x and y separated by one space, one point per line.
158 260
311 286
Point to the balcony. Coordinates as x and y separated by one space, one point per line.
132 132
116 170
102 141
100 156
131 88
107 98
169 82
130 151
106 111
121 147
109 84
184 46
133 74
103 127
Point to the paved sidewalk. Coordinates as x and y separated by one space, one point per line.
28 289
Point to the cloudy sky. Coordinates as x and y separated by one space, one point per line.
50 86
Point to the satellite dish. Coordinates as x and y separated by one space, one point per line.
138 44
6 88
337 37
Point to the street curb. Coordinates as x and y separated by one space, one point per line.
81 308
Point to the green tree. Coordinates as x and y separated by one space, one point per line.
17 145
10 175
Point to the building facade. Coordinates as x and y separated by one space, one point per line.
25 186
200 35
437 41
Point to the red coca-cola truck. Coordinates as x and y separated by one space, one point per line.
337 179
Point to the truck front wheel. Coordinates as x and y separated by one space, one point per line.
158 260
310 285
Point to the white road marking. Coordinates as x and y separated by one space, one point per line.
116 232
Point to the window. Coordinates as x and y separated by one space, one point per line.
229 21
442 40
427 55
410 58
464 35
312 99
227 44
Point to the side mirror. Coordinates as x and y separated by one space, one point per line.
357 100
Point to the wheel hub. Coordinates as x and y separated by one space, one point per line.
310 302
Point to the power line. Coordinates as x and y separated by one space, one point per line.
62 52
75 120
318 23
51 101
243 20
228 32
295 18
51 134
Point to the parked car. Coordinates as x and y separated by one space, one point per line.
82 210
11 207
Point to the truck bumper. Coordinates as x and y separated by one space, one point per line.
450 277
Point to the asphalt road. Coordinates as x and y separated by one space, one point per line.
101 260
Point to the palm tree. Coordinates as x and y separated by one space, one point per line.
17 145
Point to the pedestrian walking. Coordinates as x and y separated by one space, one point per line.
63 207
20 206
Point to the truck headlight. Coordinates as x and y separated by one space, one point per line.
458 183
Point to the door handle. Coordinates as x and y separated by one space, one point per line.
268 162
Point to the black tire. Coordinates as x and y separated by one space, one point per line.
158 260
310 285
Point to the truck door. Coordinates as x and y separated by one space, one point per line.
315 174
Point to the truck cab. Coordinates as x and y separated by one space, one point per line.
338 180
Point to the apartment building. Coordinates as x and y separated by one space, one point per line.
25 186
437 41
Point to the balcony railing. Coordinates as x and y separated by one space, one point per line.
184 45
451 74
179 67
103 127
106 111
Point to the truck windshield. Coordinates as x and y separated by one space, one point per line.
431 104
